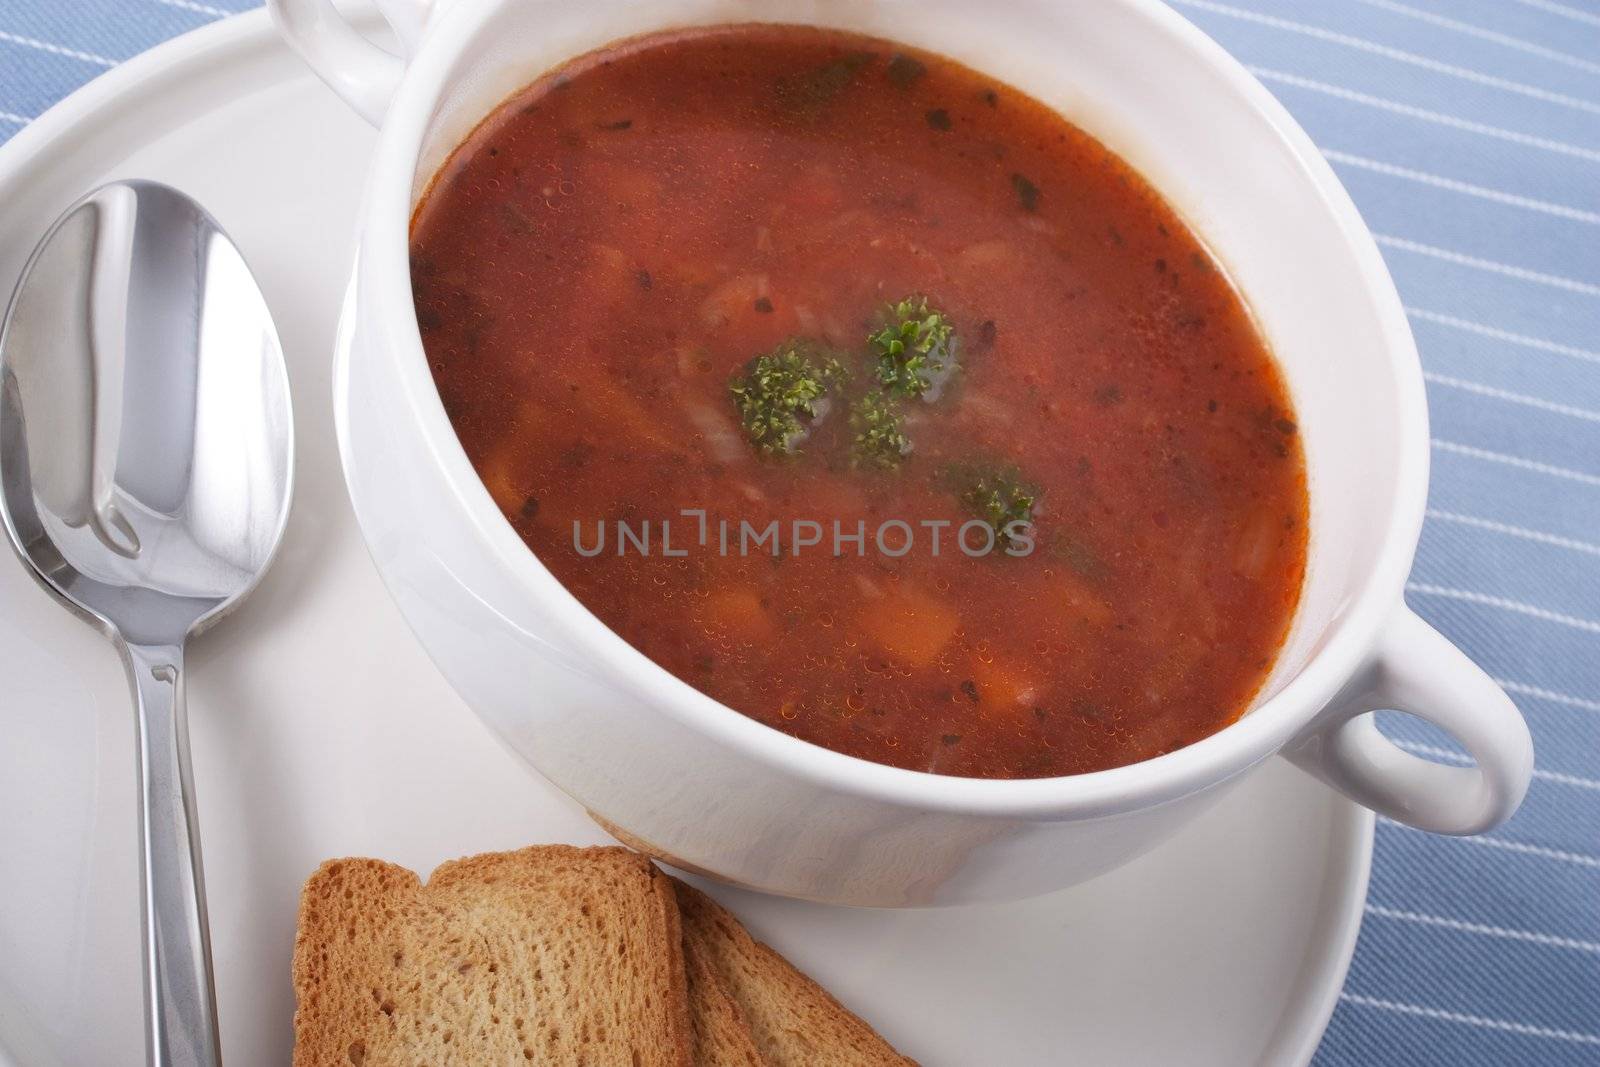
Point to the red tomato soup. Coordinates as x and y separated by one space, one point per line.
799 303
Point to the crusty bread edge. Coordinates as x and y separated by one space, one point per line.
403 878
695 898
708 988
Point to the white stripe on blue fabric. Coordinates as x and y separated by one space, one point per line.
1506 604
1515 531
1338 92
1481 928
1454 185
1397 54
1510 270
1434 752
1541 693
1507 40
1563 10
1471 1020
1513 398
199 9
1560 855
1424 315
55 49
1491 456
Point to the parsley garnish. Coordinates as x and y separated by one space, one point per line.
915 350
780 394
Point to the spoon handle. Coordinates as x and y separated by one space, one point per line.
180 1000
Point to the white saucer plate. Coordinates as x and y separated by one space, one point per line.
321 729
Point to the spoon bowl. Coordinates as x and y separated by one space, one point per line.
146 464
147 453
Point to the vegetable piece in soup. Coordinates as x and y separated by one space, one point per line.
870 397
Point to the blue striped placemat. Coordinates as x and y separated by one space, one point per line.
1468 132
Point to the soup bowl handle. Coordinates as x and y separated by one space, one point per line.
1417 671
364 75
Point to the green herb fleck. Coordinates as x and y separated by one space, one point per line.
1027 192
915 351
814 89
880 440
516 219
939 119
997 495
780 394
905 71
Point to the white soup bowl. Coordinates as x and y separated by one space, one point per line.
687 779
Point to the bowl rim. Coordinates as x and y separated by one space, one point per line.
383 283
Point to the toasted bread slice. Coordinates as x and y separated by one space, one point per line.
722 1038
794 1021
555 955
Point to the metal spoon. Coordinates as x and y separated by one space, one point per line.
146 455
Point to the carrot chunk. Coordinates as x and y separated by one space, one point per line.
1003 687
738 614
911 626
1072 595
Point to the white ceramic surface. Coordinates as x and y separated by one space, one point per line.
691 781
321 729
